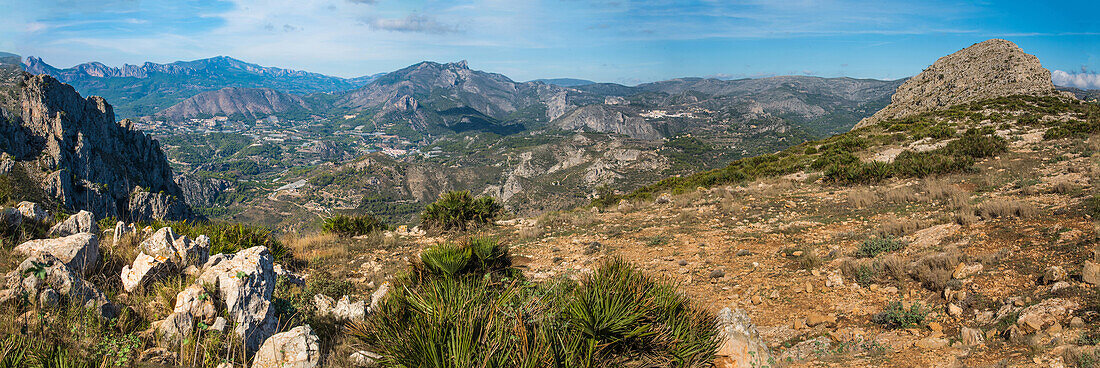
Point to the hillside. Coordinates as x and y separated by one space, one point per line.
143 90
251 103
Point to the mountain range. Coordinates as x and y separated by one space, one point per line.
142 90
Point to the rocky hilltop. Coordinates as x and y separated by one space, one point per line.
247 102
72 149
990 69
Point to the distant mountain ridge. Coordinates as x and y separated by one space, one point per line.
565 82
143 90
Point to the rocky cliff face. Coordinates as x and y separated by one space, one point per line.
990 69
602 118
250 102
76 151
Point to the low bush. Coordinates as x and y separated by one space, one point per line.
877 245
456 310
1001 208
344 225
458 211
896 316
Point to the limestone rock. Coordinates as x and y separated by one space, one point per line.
364 359
246 284
378 295
931 343
323 304
164 253
194 305
43 271
80 252
1054 274
1046 313
158 357
347 310
297 348
81 222
33 211
740 344
971 336
1090 273
121 229
990 69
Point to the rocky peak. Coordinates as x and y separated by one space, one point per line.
990 69
83 158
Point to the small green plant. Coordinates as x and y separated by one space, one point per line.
458 211
344 225
896 316
877 245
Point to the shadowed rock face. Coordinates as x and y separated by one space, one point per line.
75 150
990 69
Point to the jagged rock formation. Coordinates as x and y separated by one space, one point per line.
75 151
202 192
990 69
248 102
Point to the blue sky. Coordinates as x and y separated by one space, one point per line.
620 41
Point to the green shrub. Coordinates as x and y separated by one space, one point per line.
480 255
977 143
895 316
921 164
344 225
458 211
876 245
471 317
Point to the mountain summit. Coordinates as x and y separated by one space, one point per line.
990 69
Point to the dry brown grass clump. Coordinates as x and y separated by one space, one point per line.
530 232
934 271
900 195
952 195
860 198
965 216
898 227
315 246
1000 208
866 271
1064 187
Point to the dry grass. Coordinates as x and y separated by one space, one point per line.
965 216
895 227
950 194
934 271
900 195
530 232
861 198
1064 187
314 246
1001 208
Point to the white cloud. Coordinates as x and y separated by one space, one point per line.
1083 80
414 23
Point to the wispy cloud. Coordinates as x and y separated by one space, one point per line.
1082 80
413 23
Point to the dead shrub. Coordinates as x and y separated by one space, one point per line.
934 271
894 266
874 271
895 227
1063 187
860 198
1000 208
900 195
950 194
965 216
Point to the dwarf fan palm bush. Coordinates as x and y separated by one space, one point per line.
458 211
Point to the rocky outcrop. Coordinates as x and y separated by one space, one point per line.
248 102
87 159
990 69
245 283
81 222
202 192
162 254
297 348
740 345
46 281
606 119
33 212
79 252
